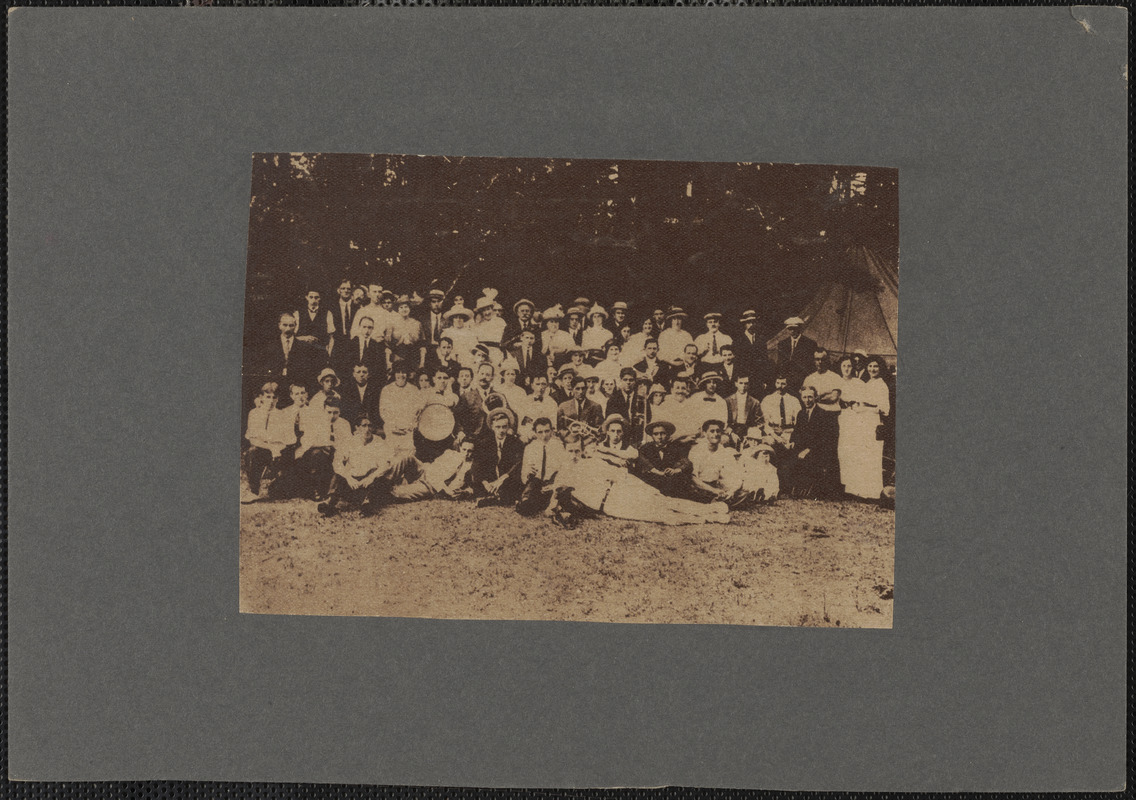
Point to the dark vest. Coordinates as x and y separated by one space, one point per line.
318 329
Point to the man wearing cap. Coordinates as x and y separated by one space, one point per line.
715 466
653 369
430 315
743 409
662 463
575 317
555 343
364 349
752 357
628 403
463 338
369 468
399 405
673 339
542 459
560 390
710 343
708 403
531 362
314 325
328 383
812 468
795 353
578 408
522 321
618 316
496 471
470 412
826 383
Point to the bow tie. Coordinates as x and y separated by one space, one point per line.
709 399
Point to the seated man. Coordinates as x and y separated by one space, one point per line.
321 431
538 405
367 467
497 462
270 432
779 408
579 408
446 476
541 461
360 397
812 468
662 463
714 465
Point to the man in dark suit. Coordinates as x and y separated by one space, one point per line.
744 409
287 360
664 464
364 349
812 469
471 411
360 397
579 407
627 403
343 314
430 315
530 361
653 370
795 353
523 321
441 358
496 470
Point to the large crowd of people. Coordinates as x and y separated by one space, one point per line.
574 411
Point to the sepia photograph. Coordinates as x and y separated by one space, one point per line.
564 389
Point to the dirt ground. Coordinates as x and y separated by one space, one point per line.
798 562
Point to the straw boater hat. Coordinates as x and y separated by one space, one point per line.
755 432
712 421
578 310
438 293
711 375
613 418
748 316
619 305
482 348
762 448
523 302
328 372
556 312
794 321
860 353
712 315
458 311
565 368
597 311
387 295
582 301
661 423
675 311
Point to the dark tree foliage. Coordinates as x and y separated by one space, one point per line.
726 236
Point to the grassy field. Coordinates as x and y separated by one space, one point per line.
798 562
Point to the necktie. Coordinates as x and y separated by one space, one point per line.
792 348
714 344
782 411
343 311
528 355
362 348
543 460
434 328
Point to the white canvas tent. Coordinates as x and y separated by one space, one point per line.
860 313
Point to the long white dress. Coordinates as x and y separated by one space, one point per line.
859 452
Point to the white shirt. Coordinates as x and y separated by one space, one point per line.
707 343
552 455
701 407
825 382
464 341
377 314
678 414
443 469
399 406
771 409
275 427
713 467
672 343
595 338
358 459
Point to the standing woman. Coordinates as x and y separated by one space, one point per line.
555 342
488 327
859 452
674 338
596 336
404 338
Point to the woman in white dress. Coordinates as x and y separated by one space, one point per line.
858 451
610 366
463 338
674 338
596 335
515 396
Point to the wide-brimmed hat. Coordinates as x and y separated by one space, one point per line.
458 311
556 312
328 372
675 311
523 302
713 421
613 418
794 321
748 316
598 310
660 423
503 411
711 374
656 388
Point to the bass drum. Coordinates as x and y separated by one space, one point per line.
435 431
